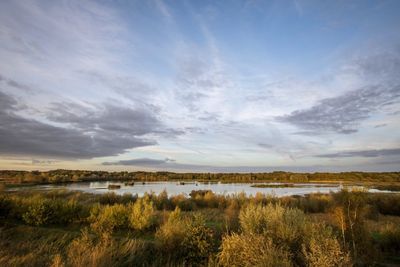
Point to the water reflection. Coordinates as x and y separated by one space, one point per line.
175 188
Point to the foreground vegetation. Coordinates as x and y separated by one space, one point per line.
61 228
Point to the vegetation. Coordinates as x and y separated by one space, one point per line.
64 228
63 176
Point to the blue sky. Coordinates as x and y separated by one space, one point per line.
200 85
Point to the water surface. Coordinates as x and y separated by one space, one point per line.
175 188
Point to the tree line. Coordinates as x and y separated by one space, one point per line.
62 176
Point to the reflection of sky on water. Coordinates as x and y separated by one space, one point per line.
174 188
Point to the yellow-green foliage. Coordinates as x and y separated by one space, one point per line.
231 216
252 250
253 218
198 242
323 249
185 238
284 224
86 252
142 214
38 212
89 251
107 218
172 232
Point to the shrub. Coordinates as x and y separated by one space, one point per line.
162 201
107 218
252 250
92 251
253 219
171 234
323 249
39 212
231 216
64 212
141 214
350 216
289 228
283 223
185 239
6 205
285 226
86 251
197 243
388 239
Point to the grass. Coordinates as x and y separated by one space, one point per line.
99 232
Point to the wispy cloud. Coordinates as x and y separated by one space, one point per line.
372 153
344 113
140 162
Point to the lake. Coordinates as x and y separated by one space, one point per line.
175 188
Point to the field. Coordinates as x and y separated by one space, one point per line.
63 228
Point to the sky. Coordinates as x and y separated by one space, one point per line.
200 86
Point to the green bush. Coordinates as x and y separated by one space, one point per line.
105 219
253 218
171 234
39 212
185 239
142 214
231 216
197 243
322 248
252 250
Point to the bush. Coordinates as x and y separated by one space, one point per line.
252 250
282 223
231 216
39 212
105 219
90 251
85 251
162 202
388 239
323 249
197 243
171 234
185 239
253 218
142 214
6 205
64 212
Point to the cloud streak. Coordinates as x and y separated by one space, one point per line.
139 162
373 153
344 113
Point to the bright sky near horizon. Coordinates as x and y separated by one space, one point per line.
222 86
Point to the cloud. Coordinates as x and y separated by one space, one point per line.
171 165
140 162
14 84
377 87
344 113
43 162
380 125
373 153
85 133
107 117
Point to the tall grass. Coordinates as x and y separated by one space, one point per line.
341 229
